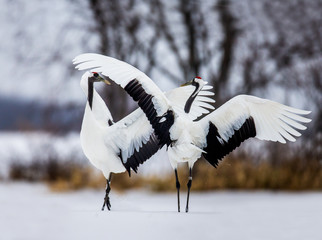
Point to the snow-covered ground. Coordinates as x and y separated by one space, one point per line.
31 211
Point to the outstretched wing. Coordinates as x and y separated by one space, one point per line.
141 143
244 117
138 85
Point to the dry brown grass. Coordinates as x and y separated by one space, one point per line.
90 179
232 173
243 174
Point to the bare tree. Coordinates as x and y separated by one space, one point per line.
195 53
239 47
117 26
284 51
289 52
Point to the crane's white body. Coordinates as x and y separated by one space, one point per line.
188 137
95 130
92 137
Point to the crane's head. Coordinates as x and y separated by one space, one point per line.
197 81
98 77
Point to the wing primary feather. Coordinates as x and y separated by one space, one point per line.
217 147
296 117
143 154
135 89
288 128
292 122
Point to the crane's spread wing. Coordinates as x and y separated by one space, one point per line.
247 116
142 143
138 85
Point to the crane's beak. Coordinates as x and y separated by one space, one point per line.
186 84
105 79
107 82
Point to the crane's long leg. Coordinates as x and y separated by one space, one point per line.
189 186
178 188
107 192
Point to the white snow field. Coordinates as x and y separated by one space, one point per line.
32 211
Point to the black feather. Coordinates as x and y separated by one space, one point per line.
217 148
144 153
137 92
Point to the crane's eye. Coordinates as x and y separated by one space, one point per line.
95 74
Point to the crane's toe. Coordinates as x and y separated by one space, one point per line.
106 203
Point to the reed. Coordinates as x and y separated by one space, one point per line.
234 173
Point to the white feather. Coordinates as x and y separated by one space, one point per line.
206 93
122 73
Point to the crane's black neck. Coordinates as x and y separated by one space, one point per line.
90 98
192 97
90 93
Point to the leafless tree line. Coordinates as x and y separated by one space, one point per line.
261 44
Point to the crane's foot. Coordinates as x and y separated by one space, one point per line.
178 197
106 203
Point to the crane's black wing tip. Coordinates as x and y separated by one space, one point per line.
217 147
145 152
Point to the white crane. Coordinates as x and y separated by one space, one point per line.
116 147
213 136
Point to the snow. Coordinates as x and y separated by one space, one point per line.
26 147
31 211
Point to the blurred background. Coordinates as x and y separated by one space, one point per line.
271 49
